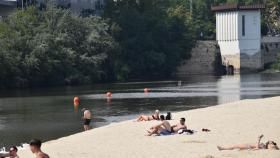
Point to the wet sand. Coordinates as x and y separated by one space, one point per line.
233 123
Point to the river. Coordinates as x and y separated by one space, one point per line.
48 113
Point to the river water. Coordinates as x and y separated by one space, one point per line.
48 113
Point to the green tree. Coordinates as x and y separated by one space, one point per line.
53 47
153 39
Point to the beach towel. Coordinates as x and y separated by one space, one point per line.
165 132
180 132
186 131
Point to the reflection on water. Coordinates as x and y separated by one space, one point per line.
49 113
228 89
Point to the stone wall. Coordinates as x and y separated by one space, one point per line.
203 59
206 58
250 63
270 49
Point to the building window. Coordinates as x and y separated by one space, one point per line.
243 25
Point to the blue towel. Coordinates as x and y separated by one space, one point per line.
165 133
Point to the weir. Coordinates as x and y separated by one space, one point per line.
238 32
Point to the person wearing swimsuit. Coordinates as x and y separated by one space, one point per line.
179 126
155 116
163 128
256 146
86 118
35 147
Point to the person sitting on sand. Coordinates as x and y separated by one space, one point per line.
12 153
163 128
86 118
256 146
35 147
155 116
179 126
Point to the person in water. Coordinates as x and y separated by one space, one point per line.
12 153
179 126
255 146
163 128
155 116
86 118
35 147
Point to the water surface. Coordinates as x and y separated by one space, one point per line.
48 113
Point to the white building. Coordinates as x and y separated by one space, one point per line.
7 6
238 32
77 6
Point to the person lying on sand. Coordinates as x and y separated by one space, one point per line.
256 146
35 147
155 116
179 126
163 128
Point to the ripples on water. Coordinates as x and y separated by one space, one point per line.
48 113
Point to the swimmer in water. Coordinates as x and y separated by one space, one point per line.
86 118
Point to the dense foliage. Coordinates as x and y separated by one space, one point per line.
134 39
154 37
52 47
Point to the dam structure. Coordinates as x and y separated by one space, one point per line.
238 33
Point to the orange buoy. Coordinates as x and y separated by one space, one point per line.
76 101
146 90
109 94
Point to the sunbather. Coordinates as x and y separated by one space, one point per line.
155 116
179 126
256 146
162 128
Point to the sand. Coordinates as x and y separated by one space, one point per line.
238 122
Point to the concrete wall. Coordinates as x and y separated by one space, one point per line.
243 52
203 58
270 47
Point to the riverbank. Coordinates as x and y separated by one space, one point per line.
238 122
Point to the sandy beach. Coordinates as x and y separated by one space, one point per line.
238 122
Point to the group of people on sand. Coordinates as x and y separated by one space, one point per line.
164 128
35 147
